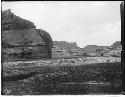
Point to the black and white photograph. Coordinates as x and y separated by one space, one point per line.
62 47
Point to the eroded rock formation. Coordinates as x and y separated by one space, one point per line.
21 39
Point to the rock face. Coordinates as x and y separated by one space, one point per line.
116 45
66 45
95 50
47 39
58 52
21 39
63 49
114 50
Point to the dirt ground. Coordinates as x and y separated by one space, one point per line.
34 79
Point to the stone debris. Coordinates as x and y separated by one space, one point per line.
61 62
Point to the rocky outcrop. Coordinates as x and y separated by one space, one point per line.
58 52
21 39
13 22
116 45
114 50
47 39
63 49
66 45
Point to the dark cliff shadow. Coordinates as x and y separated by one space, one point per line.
17 77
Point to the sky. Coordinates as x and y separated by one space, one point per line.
83 22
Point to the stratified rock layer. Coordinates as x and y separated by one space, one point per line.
21 39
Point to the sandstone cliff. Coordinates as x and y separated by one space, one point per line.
21 39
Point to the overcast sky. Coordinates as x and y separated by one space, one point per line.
83 22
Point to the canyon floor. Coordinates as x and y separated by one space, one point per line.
62 76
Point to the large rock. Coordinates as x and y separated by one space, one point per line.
13 22
21 39
47 39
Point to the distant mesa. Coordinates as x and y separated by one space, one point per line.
90 47
113 50
63 49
